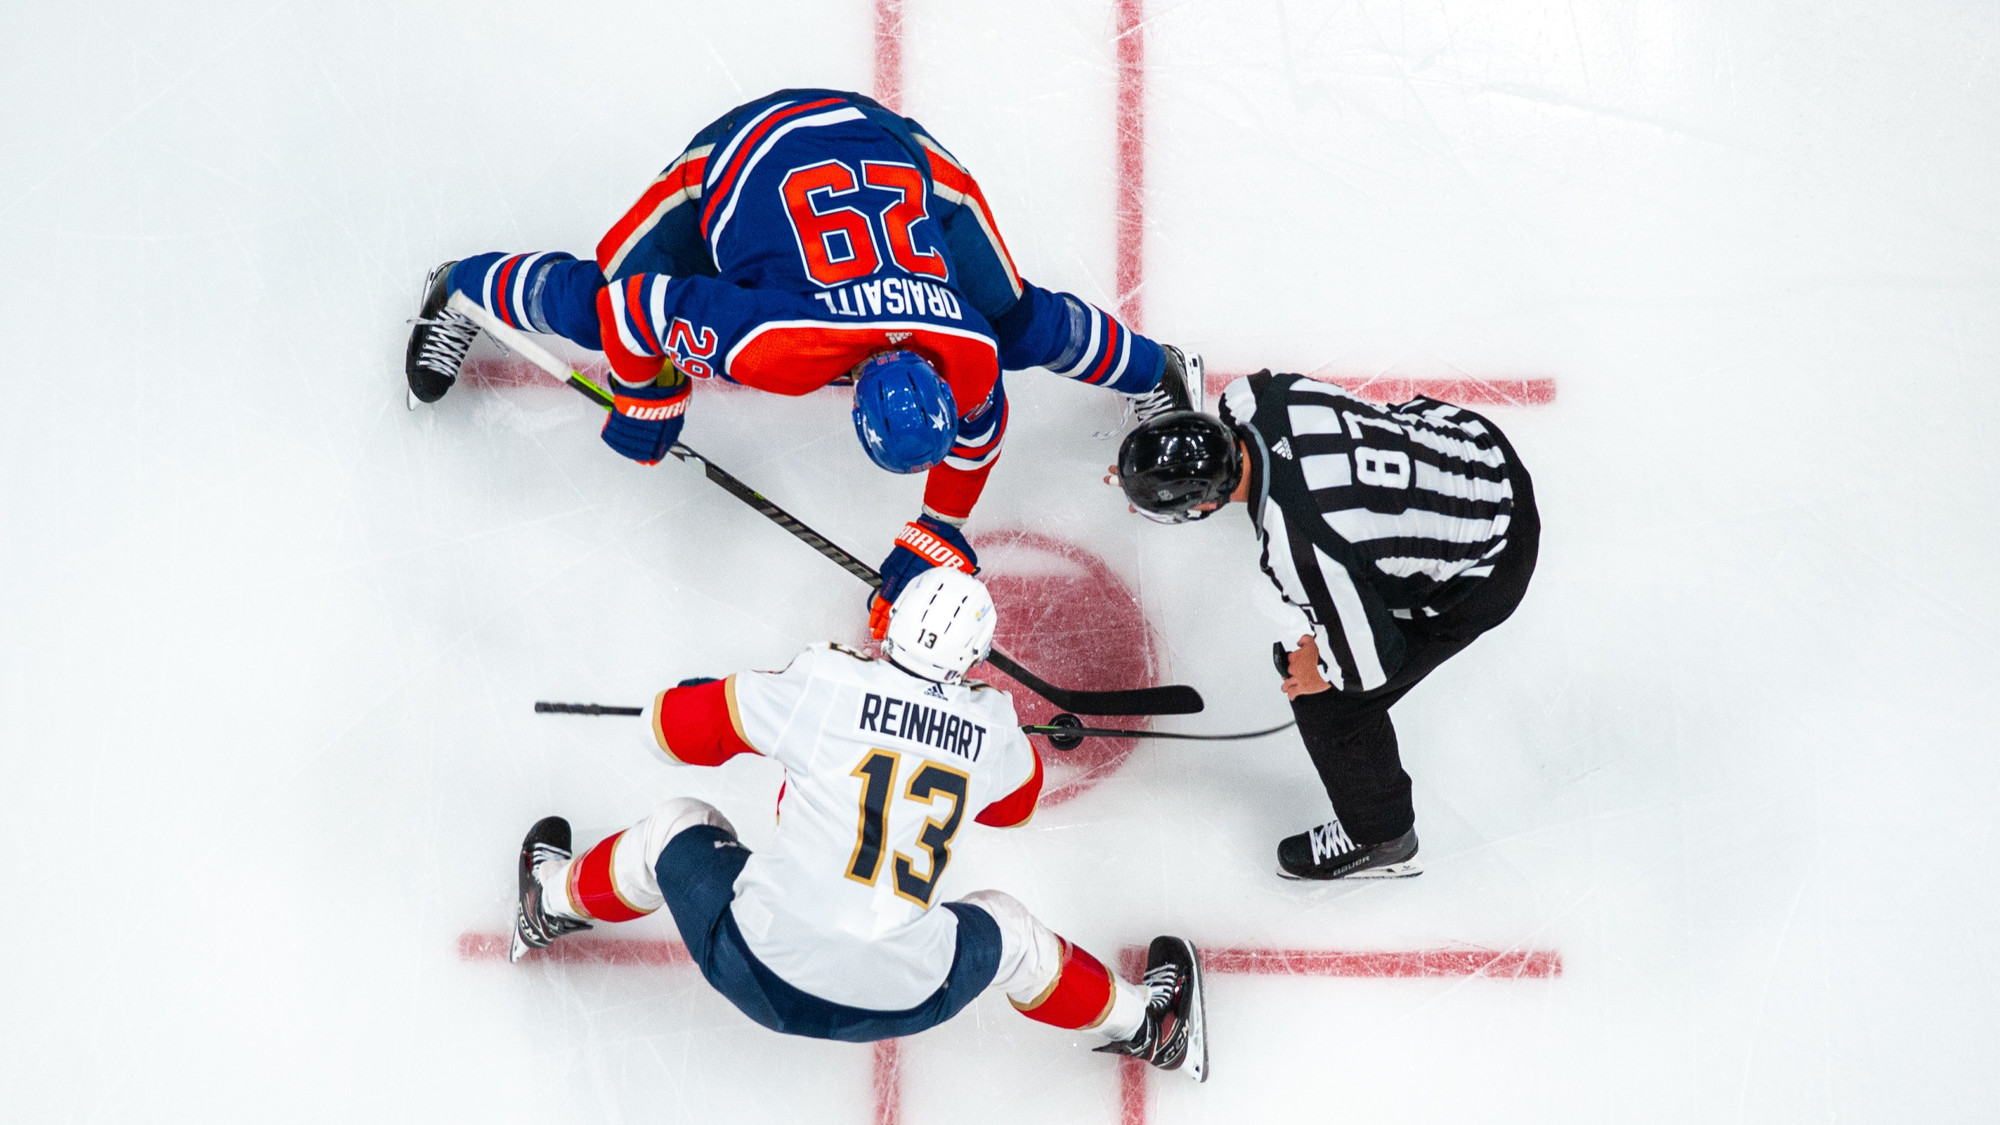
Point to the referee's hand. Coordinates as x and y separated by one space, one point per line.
1305 678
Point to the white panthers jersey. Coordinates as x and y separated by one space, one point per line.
882 771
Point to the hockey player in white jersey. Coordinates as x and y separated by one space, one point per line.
835 931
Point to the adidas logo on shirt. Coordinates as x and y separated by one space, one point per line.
1283 448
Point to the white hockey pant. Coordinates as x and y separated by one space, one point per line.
614 881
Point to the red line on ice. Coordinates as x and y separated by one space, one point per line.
506 371
1131 242
1519 391
579 951
888 1082
1132 1072
889 53
1511 964
1499 964
1131 124
1131 1092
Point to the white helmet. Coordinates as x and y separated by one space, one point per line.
940 625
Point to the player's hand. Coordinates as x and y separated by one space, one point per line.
645 422
924 542
1305 678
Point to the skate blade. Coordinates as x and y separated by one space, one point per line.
1392 871
1403 870
410 398
1196 1064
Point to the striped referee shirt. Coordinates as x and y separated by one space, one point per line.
1368 514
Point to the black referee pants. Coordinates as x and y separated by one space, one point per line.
1349 735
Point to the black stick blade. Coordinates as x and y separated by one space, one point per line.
1168 699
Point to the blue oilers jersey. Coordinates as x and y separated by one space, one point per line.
817 240
802 234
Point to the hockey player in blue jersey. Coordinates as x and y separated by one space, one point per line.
804 237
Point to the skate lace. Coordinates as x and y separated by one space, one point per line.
1180 373
1159 400
445 345
1162 983
1328 840
543 853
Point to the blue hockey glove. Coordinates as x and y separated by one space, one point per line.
646 421
924 542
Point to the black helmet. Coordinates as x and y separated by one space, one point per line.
1175 461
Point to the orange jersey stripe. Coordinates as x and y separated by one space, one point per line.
954 184
680 183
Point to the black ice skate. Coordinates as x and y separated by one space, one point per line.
535 928
1325 852
439 339
1180 387
1175 1034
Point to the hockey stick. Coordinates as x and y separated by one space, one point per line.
585 709
1169 699
1064 732
1067 732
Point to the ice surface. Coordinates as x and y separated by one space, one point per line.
268 641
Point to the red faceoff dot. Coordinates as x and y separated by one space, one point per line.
1067 617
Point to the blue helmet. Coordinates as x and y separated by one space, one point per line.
903 412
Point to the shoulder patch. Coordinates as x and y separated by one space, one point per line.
836 646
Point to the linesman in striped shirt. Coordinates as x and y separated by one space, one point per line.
1399 534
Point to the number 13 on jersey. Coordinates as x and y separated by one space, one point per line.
927 784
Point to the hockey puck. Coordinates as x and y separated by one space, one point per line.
1065 741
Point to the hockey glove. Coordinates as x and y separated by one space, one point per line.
925 542
646 421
